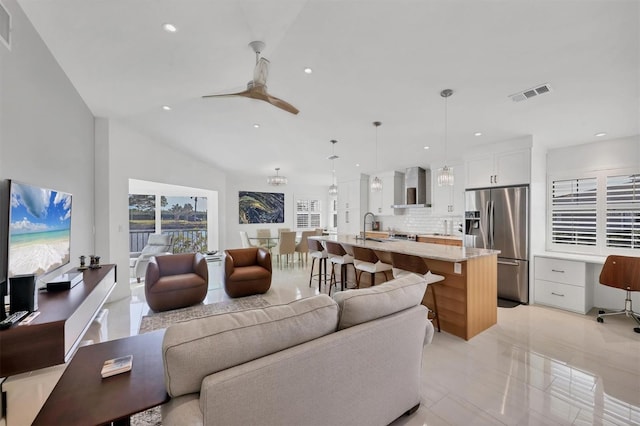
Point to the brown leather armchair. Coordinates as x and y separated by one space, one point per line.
176 281
247 271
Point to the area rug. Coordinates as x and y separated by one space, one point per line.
159 320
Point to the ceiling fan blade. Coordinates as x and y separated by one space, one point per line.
281 104
245 93
261 72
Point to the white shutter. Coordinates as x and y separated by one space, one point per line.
573 215
623 211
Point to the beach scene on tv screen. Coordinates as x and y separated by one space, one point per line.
39 230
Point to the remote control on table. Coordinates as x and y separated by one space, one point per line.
12 319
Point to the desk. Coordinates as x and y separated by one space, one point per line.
83 397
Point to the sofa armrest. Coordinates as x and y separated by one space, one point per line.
229 265
152 274
263 257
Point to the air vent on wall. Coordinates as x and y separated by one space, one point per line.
5 26
530 93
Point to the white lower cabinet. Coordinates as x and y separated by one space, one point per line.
562 284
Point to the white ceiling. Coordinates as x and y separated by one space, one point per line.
383 60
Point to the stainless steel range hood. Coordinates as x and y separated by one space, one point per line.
417 188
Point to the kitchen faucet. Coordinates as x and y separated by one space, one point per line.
364 223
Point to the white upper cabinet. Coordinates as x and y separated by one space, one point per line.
499 169
392 193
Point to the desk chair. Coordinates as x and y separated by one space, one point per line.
338 256
622 272
365 260
410 264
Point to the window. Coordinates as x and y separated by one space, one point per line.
623 211
308 213
597 214
573 212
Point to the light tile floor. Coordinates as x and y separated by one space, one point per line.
537 366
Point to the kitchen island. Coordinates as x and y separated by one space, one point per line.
467 298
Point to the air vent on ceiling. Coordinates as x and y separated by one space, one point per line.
530 93
5 26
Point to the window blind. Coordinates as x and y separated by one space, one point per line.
574 213
623 211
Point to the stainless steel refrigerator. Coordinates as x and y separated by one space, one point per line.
498 218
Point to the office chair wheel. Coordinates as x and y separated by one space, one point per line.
601 312
601 320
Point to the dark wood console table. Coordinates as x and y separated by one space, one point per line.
83 397
53 336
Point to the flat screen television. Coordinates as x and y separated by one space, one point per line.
39 230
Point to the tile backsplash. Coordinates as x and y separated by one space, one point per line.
422 221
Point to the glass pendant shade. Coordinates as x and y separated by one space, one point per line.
333 190
376 184
277 180
445 176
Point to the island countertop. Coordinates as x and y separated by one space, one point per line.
426 250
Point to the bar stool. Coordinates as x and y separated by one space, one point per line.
338 256
404 264
365 260
317 251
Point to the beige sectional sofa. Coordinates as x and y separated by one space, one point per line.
352 360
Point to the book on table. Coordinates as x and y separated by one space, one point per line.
115 366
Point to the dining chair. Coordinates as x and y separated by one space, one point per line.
264 235
366 260
622 272
303 246
244 239
286 245
411 264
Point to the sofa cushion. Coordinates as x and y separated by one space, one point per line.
194 349
358 306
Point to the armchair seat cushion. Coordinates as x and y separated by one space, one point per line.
248 273
176 282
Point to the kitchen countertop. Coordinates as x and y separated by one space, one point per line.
446 237
426 250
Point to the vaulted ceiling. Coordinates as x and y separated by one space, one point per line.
383 60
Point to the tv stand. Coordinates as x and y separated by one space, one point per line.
51 339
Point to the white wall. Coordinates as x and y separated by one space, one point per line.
132 155
46 130
238 182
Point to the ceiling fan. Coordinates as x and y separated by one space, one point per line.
257 88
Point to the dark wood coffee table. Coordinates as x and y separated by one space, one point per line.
83 397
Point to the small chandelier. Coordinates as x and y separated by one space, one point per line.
445 174
333 188
277 180
376 183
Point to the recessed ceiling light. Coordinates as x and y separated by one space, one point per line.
308 70
477 134
166 107
357 164
600 134
170 28
256 125
426 147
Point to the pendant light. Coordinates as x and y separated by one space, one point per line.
277 180
333 188
445 174
376 183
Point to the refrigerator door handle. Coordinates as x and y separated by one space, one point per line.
491 211
513 263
